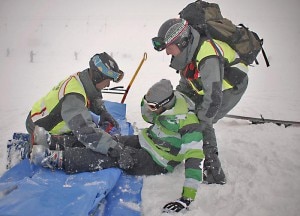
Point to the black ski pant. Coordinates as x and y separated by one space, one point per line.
230 98
81 159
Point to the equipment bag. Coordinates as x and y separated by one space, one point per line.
207 19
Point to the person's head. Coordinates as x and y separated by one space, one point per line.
103 69
160 96
173 35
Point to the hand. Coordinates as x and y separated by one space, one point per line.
107 117
123 153
110 129
97 106
177 205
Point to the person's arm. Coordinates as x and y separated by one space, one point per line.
191 137
98 107
211 78
79 120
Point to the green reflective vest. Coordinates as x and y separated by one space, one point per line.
45 107
206 50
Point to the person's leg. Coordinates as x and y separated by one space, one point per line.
144 164
230 99
77 160
213 172
60 142
130 140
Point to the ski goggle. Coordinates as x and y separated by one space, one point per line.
153 106
115 76
159 43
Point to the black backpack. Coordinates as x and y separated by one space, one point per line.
207 19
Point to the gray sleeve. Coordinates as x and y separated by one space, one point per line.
79 120
211 78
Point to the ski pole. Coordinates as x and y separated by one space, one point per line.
132 79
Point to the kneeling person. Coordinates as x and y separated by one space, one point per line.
173 137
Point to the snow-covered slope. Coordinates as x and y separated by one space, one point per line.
261 161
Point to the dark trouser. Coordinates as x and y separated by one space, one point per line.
76 160
85 160
144 164
230 99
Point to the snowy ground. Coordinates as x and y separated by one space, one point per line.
261 161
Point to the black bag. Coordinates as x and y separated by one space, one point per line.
208 20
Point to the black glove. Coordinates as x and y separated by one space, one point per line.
123 153
107 117
177 205
97 106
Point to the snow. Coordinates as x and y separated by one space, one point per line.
261 162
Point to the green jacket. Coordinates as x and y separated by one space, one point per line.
175 137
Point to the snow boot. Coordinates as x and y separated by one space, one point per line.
41 136
42 156
53 159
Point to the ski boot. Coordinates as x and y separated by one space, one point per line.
42 156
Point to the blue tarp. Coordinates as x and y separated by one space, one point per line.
26 189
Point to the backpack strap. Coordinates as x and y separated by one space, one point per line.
223 63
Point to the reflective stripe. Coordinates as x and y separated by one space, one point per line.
199 92
62 89
41 114
38 115
218 47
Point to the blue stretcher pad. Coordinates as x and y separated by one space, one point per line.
26 189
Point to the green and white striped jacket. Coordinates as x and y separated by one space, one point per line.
174 137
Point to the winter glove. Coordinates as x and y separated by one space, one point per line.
123 154
212 171
97 106
177 205
107 117
110 129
